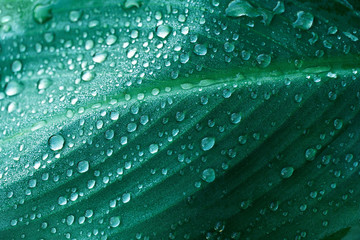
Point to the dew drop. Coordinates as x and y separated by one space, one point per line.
235 118
16 66
126 197
74 16
263 60
200 49
207 143
310 154
44 83
99 57
114 222
62 201
111 39
208 175
287 172
13 88
83 166
56 142
153 148
304 20
87 76
163 31
42 13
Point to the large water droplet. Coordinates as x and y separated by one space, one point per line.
132 3
100 57
310 154
207 143
62 201
264 60
74 16
44 83
126 197
287 172
42 13
56 142
83 166
163 31
16 66
13 88
114 221
304 20
200 49
208 175
87 76
153 148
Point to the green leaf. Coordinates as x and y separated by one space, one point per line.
155 119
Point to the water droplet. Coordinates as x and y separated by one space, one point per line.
338 124
56 142
74 16
229 47
114 221
42 13
153 148
241 8
304 20
32 183
114 115
200 49
44 83
111 39
131 53
263 60
87 76
163 31
207 143
62 201
13 88
100 57
16 66
131 127
109 134
235 118
310 154
287 172
126 197
184 58
208 175
83 166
